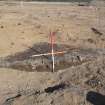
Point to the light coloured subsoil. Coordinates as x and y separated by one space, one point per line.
22 26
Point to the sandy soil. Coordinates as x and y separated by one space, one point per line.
22 26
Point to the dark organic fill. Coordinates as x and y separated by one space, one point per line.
26 61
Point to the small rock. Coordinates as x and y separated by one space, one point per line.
79 58
12 43
2 26
90 40
22 31
38 26
19 24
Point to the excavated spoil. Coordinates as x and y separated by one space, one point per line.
25 61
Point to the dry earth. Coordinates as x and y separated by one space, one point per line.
22 25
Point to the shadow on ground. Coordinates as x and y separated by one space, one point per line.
95 98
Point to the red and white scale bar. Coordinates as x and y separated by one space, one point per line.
55 53
52 40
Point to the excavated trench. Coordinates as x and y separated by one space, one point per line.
25 60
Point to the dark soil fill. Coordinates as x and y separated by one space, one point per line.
55 88
25 61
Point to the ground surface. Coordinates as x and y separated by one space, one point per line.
22 25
